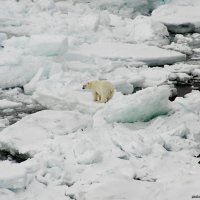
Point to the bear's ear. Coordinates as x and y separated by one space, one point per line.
89 85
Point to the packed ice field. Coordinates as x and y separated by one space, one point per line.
57 143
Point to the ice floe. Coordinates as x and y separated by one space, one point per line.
40 128
174 16
142 106
47 45
146 30
150 55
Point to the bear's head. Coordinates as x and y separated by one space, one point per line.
88 85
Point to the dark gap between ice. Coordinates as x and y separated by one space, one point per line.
135 177
71 196
7 153
13 156
184 88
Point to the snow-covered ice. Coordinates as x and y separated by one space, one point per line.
9 58
180 17
139 145
20 69
3 37
146 30
59 96
3 123
141 106
47 45
111 154
40 128
180 48
12 176
16 42
125 8
8 104
139 52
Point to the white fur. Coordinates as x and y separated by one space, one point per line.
102 90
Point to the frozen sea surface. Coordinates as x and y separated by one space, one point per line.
56 143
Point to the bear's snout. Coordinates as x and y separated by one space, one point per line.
83 87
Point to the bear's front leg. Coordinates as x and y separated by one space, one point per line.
95 96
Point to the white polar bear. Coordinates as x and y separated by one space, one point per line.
102 90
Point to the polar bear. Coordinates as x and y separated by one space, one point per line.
102 90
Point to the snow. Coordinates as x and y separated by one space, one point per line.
94 161
175 17
127 8
3 123
30 87
3 37
146 30
19 70
16 42
151 77
58 96
180 48
183 77
6 194
141 106
182 68
124 87
141 29
12 176
9 58
191 101
46 4
196 72
4 103
40 128
139 52
73 148
39 45
47 45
